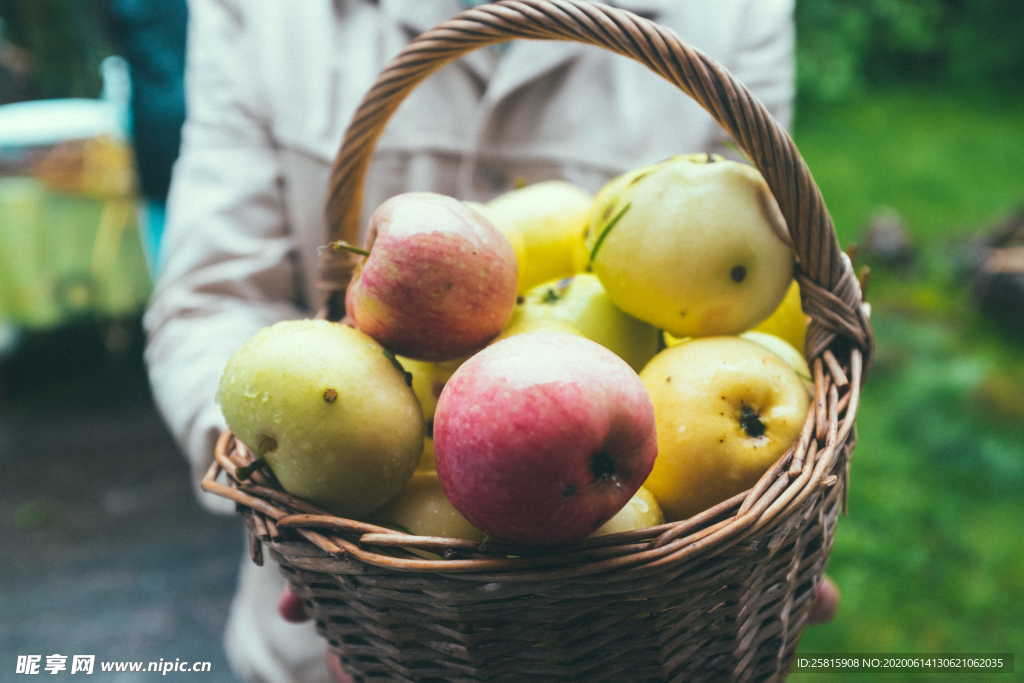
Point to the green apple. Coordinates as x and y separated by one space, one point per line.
726 409
581 301
641 512
423 510
328 409
693 245
548 218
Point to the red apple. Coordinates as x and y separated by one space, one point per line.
542 437
439 282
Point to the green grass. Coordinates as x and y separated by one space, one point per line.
929 558
950 161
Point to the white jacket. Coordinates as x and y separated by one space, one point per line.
271 86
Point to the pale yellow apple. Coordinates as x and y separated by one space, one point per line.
726 409
788 321
581 301
531 319
641 512
328 410
427 463
423 510
783 349
428 379
549 218
514 238
694 246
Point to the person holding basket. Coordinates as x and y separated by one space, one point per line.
270 89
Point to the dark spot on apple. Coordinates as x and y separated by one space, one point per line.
330 395
602 464
751 422
668 380
569 490
267 444
682 314
637 179
738 273
520 299
429 427
550 296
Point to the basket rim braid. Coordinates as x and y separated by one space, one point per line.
750 563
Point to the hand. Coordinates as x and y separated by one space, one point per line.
826 602
292 610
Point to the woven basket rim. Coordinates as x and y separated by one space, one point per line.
839 342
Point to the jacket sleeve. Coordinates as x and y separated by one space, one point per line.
229 265
765 60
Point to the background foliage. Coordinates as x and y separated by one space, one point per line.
846 46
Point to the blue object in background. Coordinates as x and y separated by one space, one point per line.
150 35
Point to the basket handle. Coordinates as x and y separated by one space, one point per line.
829 289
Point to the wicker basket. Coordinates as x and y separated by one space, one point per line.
720 596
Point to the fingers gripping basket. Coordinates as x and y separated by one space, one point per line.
723 595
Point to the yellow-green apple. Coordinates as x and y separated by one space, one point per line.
531 319
324 405
426 462
788 321
549 217
428 379
439 281
726 409
423 509
695 245
641 512
542 437
783 349
580 300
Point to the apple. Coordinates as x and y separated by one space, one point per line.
428 379
542 437
439 281
328 410
695 245
532 319
426 462
549 217
641 512
726 410
788 321
784 350
422 509
780 347
580 300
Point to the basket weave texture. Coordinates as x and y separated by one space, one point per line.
723 595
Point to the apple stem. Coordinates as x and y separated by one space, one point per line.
342 245
607 229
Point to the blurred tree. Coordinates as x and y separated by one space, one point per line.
844 45
64 42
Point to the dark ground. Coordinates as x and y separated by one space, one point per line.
106 550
